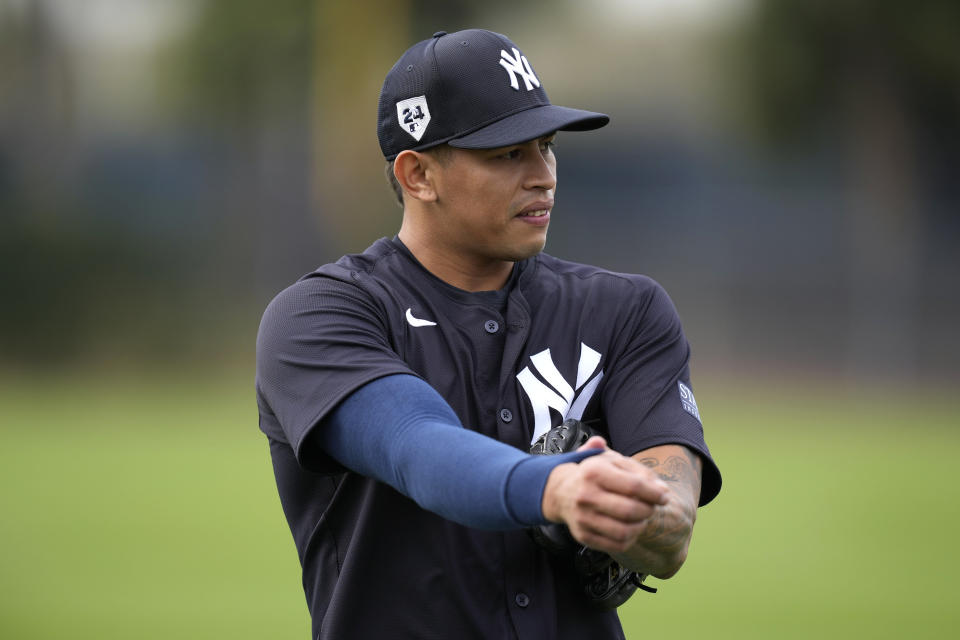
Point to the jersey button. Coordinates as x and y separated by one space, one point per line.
492 326
522 599
506 415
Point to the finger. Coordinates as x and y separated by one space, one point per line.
595 442
632 466
607 534
623 509
606 472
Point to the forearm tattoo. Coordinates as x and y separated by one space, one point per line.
684 470
669 527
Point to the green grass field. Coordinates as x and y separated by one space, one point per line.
145 509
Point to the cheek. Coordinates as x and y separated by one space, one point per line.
484 202
488 202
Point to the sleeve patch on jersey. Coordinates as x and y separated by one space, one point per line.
688 401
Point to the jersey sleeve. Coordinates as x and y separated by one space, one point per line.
648 400
319 340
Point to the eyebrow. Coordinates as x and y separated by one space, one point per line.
546 136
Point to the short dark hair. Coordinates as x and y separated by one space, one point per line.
441 153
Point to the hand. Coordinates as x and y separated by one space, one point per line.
605 499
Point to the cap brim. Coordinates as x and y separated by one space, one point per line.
528 125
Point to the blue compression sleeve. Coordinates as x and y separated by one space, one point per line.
399 430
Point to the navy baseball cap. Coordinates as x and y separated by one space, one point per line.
472 89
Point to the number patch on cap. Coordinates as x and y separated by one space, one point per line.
414 116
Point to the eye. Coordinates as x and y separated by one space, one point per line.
547 145
512 154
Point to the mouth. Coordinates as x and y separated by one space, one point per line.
536 211
537 218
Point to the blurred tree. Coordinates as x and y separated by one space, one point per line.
294 85
883 78
806 58
37 150
242 74
242 59
37 163
356 44
106 244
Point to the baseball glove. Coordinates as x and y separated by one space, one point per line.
606 583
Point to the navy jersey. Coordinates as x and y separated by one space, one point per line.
560 340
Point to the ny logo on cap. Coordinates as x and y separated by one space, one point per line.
518 64
414 116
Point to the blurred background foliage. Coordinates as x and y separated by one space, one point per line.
787 169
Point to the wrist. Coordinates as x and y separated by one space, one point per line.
552 503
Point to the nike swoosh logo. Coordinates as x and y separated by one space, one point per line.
417 322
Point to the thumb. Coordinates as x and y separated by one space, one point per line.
595 442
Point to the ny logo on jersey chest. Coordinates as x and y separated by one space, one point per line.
569 401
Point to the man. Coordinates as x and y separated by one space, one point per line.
401 388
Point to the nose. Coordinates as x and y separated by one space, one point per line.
541 168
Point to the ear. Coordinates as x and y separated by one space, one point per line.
414 173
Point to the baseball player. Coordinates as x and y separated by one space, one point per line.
401 389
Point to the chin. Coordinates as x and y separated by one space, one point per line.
528 251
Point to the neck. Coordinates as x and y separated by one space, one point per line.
458 269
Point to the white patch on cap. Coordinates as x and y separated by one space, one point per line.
688 401
413 116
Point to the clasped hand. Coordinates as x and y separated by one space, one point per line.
605 500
